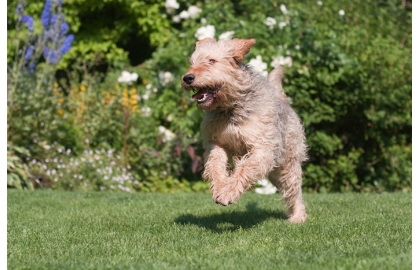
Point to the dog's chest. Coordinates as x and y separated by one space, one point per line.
224 133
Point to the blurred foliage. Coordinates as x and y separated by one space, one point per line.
18 175
350 82
104 28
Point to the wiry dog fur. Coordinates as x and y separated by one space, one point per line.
249 129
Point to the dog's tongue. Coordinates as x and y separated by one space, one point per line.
198 96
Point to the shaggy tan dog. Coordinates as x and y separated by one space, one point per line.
249 129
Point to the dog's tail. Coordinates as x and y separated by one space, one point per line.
274 78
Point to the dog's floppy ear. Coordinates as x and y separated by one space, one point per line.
205 40
240 47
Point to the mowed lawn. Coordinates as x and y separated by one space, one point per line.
103 230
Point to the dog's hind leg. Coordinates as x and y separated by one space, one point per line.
288 176
288 179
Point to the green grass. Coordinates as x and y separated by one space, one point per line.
69 230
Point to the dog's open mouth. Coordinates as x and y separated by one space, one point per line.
204 95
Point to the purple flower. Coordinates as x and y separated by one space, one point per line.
64 28
65 47
50 55
46 13
31 67
29 21
29 52
54 19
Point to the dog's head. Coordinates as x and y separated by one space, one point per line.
216 71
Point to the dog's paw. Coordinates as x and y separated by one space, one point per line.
224 200
298 218
229 194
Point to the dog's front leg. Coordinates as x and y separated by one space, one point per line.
215 168
251 167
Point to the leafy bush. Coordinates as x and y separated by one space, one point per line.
105 28
18 174
32 107
348 76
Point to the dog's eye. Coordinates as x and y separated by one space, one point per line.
212 61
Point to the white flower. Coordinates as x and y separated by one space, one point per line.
282 24
203 20
205 31
169 118
259 65
319 3
283 9
171 4
146 111
167 134
267 187
281 61
193 11
270 22
127 77
341 12
127 189
184 14
297 47
176 18
146 95
165 77
227 35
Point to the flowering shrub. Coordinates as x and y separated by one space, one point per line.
31 106
90 170
356 117
347 75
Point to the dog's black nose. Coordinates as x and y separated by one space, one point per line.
189 78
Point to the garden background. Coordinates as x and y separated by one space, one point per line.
94 100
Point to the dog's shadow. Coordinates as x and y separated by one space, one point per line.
232 221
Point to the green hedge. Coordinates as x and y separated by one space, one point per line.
349 80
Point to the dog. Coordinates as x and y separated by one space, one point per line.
249 130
